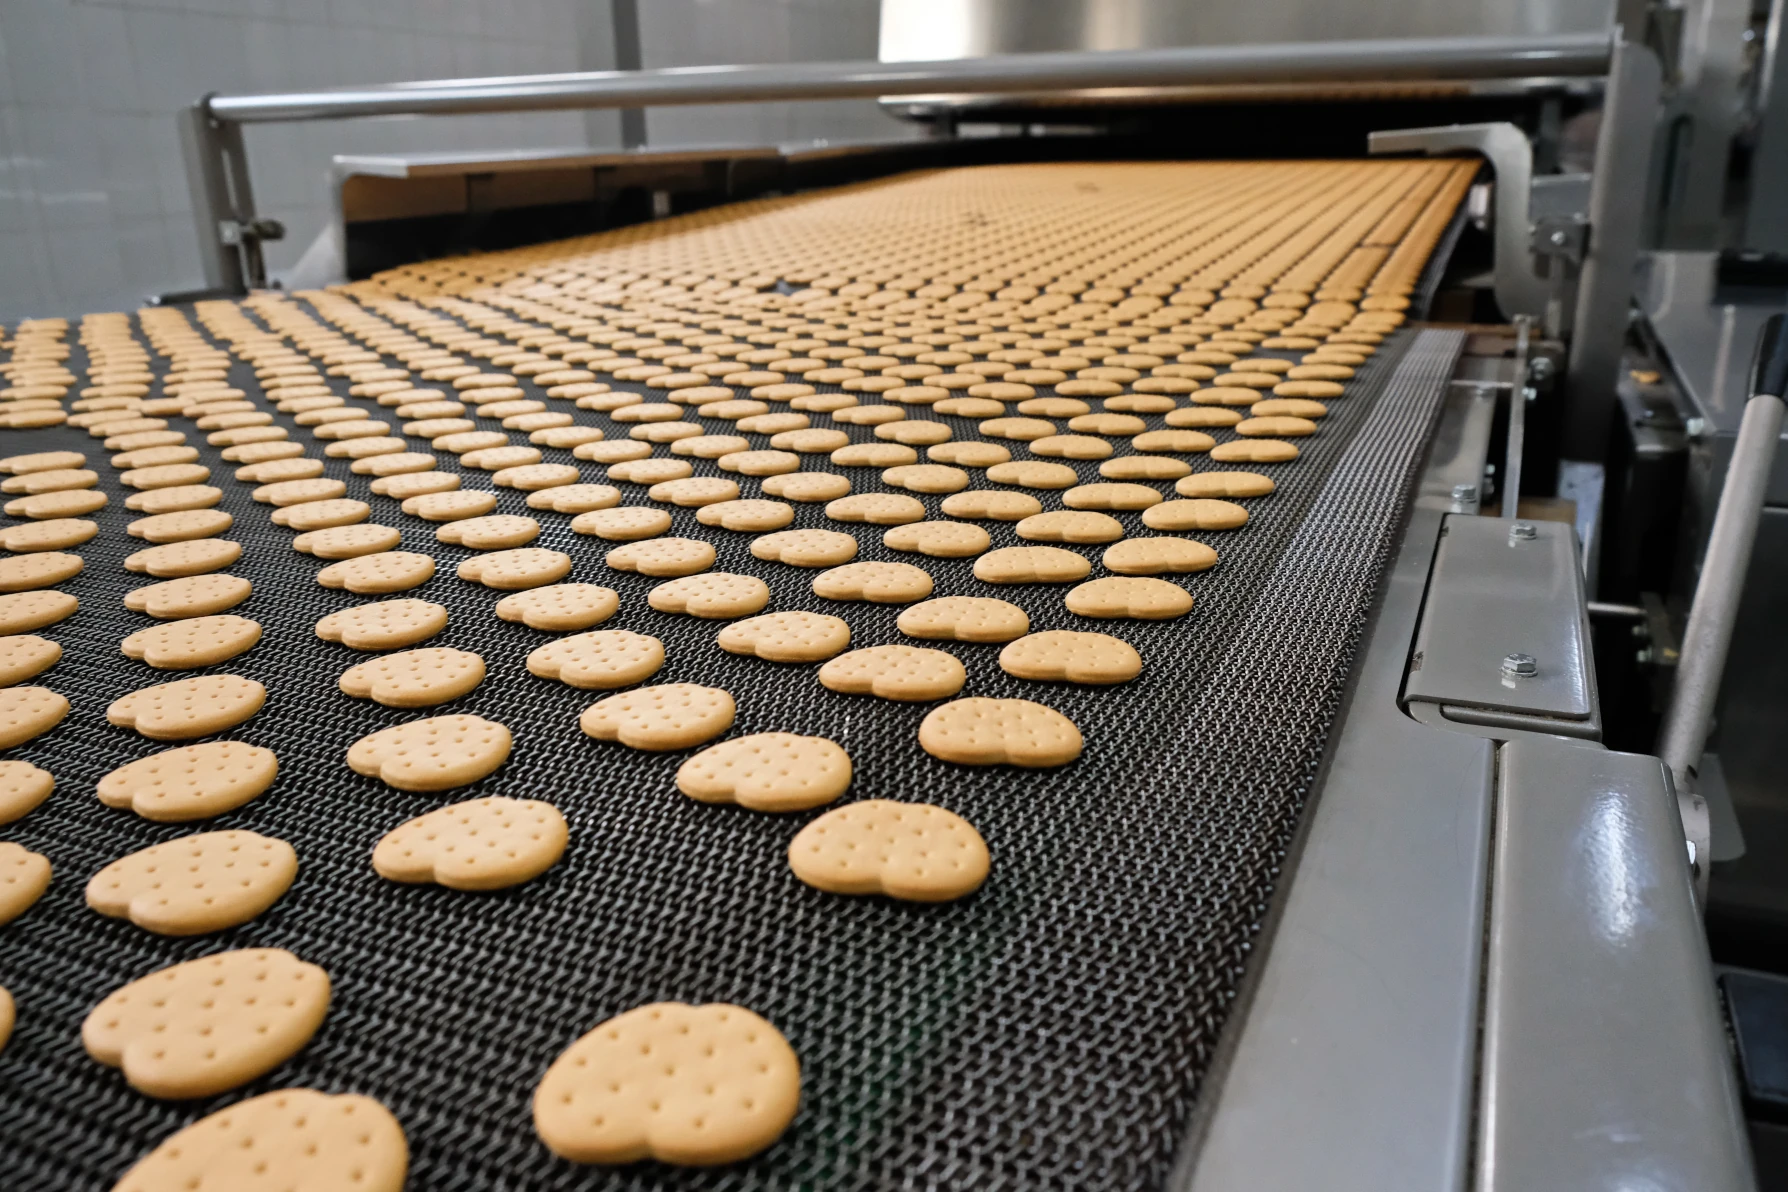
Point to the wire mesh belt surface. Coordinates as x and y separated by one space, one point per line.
1050 1031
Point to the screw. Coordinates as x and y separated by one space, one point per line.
1540 367
1644 656
1465 494
1696 428
1523 532
1559 238
1520 664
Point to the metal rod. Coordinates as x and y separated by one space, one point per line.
1517 436
1293 62
208 180
1616 612
1718 591
628 56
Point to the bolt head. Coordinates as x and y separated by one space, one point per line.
1559 238
1465 492
1523 532
1520 664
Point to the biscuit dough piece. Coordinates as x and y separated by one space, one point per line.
436 754
177 499
206 1026
910 851
807 487
41 461
760 463
710 446
882 509
188 708
383 624
662 557
965 619
992 505
192 641
768 772
559 608
61 479
24 876
1197 513
481 844
1156 556
21 612
968 454
453 505
1125 497
746 515
402 486
323 1142
184 526
1225 484
1092 658
190 782
939 539
1034 474
514 570
874 455
1255 451
629 523
599 661
1280 426
297 492
25 573
192 596
908 673
27 712
57 534
575 498
179 559
1139 598
321 515
414 678
686 1085
70 502
195 884
713 595
379 574
1070 525
695 491
978 731
1021 429
23 787
532 478
1144 467
497 531
650 471
1203 417
792 636
876 582
348 542
662 718
1031 565
926 478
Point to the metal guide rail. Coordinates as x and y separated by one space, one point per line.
969 1043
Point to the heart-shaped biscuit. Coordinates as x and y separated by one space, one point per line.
25 573
575 498
404 483
792 636
910 851
188 708
383 624
882 509
662 557
24 876
27 712
978 731
414 678
518 569
192 641
192 596
560 607
57 534
496 531
176 499
195 884
1144 467
436 754
768 772
1111 496
347 542
379 574
203 1027
23 787
629 523
190 782
746 515
657 719
178 559
452 505
481 844
1156 556
600 660
21 612
712 595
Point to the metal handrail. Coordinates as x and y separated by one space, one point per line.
1291 62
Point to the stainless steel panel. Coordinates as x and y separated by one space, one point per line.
1496 596
922 29
1605 1062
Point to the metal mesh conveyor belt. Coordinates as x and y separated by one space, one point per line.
1051 1031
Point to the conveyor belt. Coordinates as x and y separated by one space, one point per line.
1051 1031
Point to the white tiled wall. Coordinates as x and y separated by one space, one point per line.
94 212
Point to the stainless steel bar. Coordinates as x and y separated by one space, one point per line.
1708 636
208 180
1618 612
625 14
1333 61
1517 436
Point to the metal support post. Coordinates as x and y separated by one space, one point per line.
629 56
208 179
1623 164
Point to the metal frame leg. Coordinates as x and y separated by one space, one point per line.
202 141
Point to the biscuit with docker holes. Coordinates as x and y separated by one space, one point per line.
662 557
21 612
1195 513
187 708
792 636
1255 451
628 523
964 618
515 570
898 672
712 595
480 844
575 498
383 624
662 718
979 731
725 1084
25 573
1203 417
1022 430
348 542
1031 565
559 608
24 876
414 678
57 534
209 1025
600 660
25 656
874 581
807 487
873 455
760 463
278 471
496 531
195 884
1144 467
992 505
1157 556
27 712
909 851
939 539
1034 474
41 461
321 515
435 754
968 454
191 781
69 502
1070 525
650 471
926 478
709 446
768 772
297 492
62 479
882 509
1071 655
23 788
533 478
401 486
1137 597
1125 497
746 516
1225 484
379 574
192 641
1280 426
452 505
809 441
